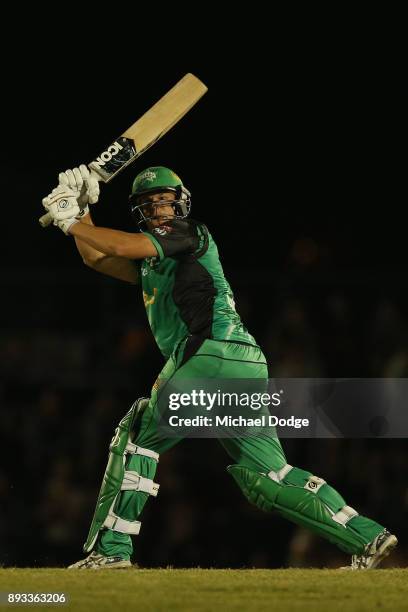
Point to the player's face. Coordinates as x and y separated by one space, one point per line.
158 206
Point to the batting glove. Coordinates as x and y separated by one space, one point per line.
63 207
80 179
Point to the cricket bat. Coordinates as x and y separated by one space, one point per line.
145 132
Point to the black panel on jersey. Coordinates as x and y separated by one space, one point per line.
177 236
194 291
194 295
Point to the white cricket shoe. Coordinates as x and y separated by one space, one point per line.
374 553
95 561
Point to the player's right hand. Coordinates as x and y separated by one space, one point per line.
80 179
62 203
63 207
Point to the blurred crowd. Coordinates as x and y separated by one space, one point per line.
63 392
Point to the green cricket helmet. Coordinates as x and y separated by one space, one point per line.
158 179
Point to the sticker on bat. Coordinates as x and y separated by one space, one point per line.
118 155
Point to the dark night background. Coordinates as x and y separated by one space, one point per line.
296 161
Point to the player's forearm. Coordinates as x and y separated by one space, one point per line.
117 267
88 253
114 242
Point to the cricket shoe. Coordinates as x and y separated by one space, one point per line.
95 561
374 553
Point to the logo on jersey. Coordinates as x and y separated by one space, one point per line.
163 230
151 264
157 384
149 299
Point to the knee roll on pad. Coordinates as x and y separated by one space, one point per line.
303 498
117 479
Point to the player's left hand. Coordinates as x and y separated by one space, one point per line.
63 207
80 179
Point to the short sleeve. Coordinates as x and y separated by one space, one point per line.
179 236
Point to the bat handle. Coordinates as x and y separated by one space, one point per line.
45 220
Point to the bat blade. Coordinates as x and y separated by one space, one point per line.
146 131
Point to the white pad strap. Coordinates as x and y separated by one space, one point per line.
344 515
132 481
115 523
132 449
314 483
280 475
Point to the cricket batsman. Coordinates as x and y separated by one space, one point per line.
191 312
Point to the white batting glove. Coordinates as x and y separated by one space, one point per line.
63 207
80 179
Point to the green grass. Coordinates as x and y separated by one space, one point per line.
191 590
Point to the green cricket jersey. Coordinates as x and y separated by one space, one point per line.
184 289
